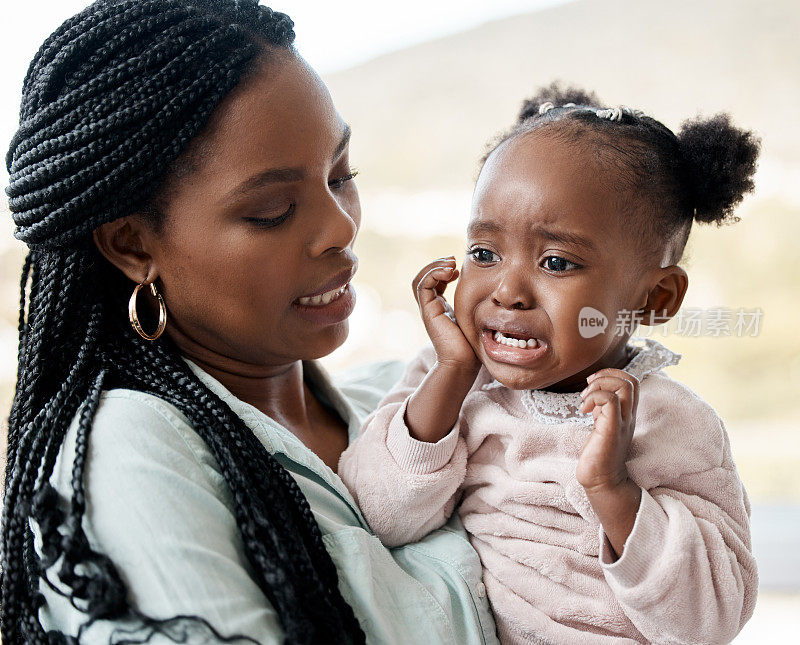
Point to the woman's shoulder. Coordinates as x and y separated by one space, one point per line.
366 384
133 434
132 416
159 508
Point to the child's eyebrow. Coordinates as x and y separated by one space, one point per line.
478 226
564 237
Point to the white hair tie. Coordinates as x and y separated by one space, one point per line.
544 108
615 114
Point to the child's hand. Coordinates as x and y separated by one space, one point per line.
452 347
611 396
434 407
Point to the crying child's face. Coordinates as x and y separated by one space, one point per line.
551 266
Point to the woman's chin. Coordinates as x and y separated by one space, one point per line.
327 341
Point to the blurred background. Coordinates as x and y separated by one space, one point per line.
426 84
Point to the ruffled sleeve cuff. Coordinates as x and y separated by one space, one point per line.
414 456
640 557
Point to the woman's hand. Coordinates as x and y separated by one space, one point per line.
452 348
611 396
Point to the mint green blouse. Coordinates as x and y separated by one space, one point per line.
158 506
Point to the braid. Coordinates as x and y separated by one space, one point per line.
113 103
21 330
269 542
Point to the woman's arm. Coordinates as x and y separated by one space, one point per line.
158 507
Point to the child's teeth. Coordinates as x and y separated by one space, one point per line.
323 298
501 338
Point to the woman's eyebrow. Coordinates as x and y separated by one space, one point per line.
271 176
278 175
342 142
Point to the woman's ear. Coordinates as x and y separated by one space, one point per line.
122 242
665 296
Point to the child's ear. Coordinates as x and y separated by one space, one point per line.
665 296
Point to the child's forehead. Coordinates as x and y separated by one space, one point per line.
548 182
546 189
546 152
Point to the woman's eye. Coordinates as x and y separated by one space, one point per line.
484 256
341 181
558 264
271 222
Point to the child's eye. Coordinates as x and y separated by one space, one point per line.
484 256
558 264
341 181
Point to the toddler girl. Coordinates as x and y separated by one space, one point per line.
600 494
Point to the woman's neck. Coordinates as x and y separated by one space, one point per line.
283 395
278 391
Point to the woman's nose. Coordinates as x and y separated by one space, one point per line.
513 292
334 229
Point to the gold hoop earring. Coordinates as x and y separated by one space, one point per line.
134 317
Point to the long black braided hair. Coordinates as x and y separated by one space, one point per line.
665 180
113 106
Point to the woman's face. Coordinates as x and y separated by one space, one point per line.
265 225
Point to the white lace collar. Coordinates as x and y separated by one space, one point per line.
558 407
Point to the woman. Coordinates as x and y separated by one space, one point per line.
171 454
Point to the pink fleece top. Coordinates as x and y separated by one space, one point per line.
687 574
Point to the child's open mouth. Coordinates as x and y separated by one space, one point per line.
515 341
507 347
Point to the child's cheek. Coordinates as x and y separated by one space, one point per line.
593 321
587 328
464 307
459 304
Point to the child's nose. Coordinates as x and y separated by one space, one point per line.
513 293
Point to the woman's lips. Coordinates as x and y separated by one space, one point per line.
329 307
338 281
516 349
322 298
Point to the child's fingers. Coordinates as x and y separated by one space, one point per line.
623 388
434 308
441 262
602 402
613 372
433 283
624 384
